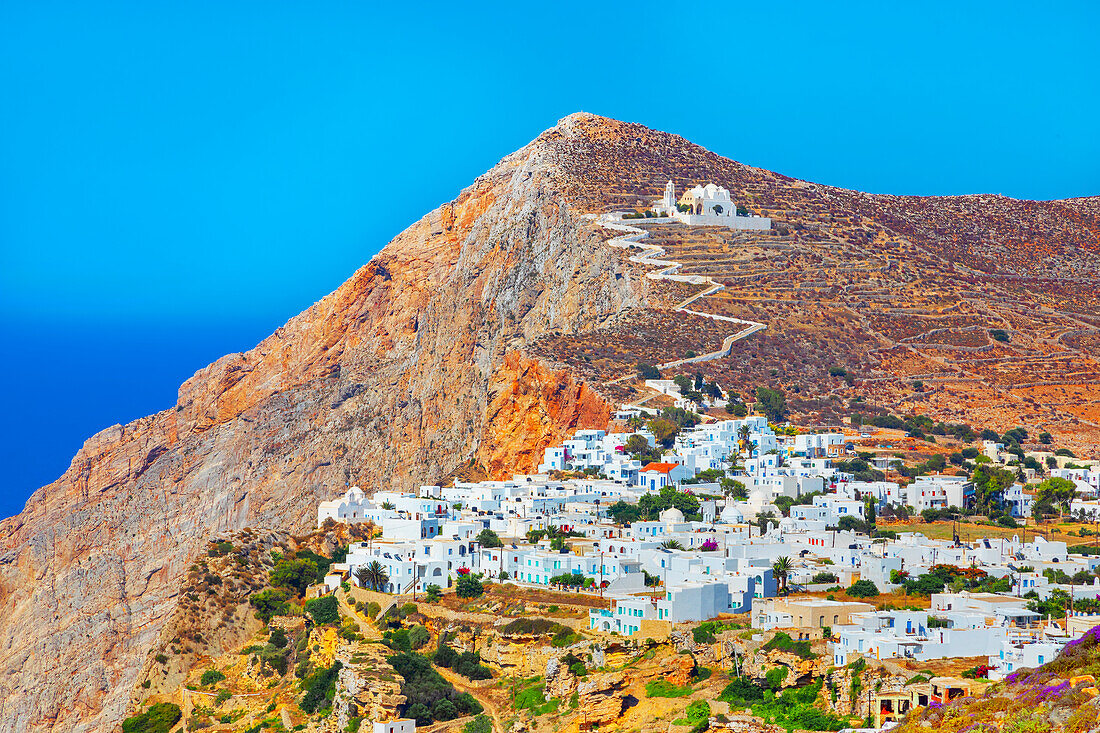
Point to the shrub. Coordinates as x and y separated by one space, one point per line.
419 636
294 574
278 638
324 610
398 640
825 577
274 658
741 692
784 643
159 718
696 713
469 586
268 604
863 589
320 688
467 664
373 609
427 687
705 632
221 548
161 659
222 696
774 677
432 593
478 724
664 688
532 626
211 677
565 637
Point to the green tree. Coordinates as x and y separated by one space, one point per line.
763 519
277 638
851 524
373 575
489 538
664 431
1058 492
269 603
651 505
772 402
648 371
323 610
432 593
469 585
781 569
623 513
295 574
990 483
733 489
743 437
636 445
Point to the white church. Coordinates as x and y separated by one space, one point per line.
708 205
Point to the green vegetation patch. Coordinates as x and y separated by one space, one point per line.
324 610
664 688
159 718
430 697
320 688
791 709
784 643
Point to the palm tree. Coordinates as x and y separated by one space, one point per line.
372 575
672 545
782 568
743 433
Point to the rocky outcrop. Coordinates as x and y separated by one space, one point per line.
799 669
370 688
601 697
533 407
560 682
678 670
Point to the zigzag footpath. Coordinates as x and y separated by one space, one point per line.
631 237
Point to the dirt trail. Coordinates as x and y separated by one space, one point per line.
462 685
365 628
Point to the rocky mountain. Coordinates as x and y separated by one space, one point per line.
487 330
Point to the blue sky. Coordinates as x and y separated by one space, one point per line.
178 179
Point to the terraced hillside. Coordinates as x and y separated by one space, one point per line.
990 303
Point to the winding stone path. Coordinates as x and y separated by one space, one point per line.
666 269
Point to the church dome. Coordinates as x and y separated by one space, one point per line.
672 514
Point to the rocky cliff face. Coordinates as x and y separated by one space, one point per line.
394 379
